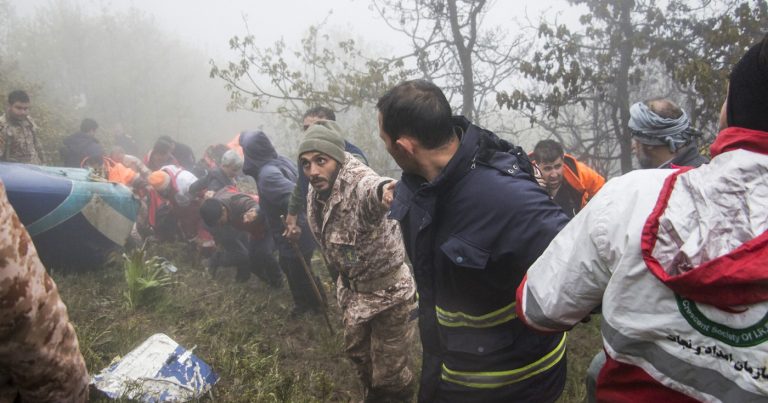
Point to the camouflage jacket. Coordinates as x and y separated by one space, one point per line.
40 359
361 243
19 142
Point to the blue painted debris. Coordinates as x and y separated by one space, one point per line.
159 370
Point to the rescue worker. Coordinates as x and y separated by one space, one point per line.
662 135
375 288
172 209
569 182
662 138
473 219
130 161
276 177
40 359
18 133
106 168
683 290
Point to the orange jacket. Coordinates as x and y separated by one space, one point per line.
119 173
579 176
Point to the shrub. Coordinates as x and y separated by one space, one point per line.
144 277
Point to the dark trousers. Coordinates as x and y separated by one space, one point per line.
304 298
263 262
237 248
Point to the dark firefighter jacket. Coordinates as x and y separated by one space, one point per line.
471 234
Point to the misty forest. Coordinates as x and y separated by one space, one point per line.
569 75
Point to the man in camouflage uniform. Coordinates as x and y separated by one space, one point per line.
40 359
376 291
18 137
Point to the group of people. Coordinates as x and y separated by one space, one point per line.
507 250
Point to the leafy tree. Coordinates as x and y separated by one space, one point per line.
321 72
449 46
699 45
604 67
453 48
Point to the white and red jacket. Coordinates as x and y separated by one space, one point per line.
679 261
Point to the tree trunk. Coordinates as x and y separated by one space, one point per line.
626 49
464 50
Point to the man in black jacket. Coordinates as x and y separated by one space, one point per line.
76 147
473 220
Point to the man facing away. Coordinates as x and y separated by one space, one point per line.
275 177
473 219
173 210
18 133
662 135
75 147
677 259
375 287
569 182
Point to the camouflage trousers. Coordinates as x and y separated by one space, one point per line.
380 348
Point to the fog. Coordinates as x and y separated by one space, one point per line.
145 67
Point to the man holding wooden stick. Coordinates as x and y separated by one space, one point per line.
375 288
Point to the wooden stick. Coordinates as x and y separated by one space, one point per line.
311 278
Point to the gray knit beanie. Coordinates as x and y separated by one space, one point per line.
324 136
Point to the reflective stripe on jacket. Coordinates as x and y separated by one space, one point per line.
471 234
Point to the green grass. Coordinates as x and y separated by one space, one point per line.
243 332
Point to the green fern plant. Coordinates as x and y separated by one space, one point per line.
144 277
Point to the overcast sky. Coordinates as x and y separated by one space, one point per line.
208 24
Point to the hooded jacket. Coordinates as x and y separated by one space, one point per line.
677 258
275 177
471 234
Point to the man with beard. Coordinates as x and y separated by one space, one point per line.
18 134
375 287
662 135
298 202
677 259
